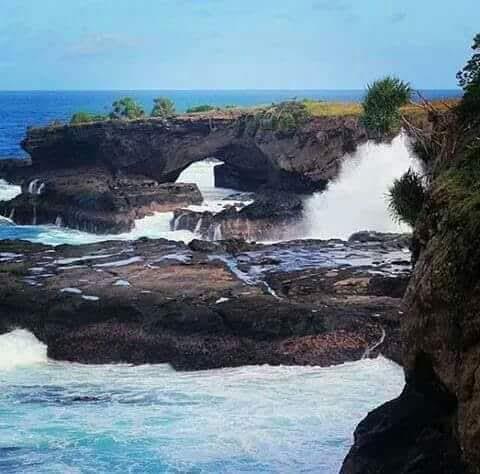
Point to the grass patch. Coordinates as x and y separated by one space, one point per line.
332 109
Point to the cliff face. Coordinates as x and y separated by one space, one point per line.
101 176
253 156
434 426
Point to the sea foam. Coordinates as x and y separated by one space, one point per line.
21 348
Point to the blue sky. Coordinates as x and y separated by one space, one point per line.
232 44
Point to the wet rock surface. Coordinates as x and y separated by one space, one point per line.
94 201
204 306
270 215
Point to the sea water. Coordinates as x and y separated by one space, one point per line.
21 109
60 417
57 417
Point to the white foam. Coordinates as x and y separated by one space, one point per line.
67 261
121 263
21 348
8 191
73 291
90 298
222 300
357 200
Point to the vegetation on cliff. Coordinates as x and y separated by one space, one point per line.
440 330
126 108
86 117
406 197
163 107
469 80
201 108
284 118
381 106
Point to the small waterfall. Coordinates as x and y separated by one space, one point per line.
12 214
217 233
59 221
34 218
272 291
369 350
176 221
36 187
198 227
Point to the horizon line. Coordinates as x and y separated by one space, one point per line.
219 90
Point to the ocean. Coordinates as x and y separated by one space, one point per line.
19 110
57 417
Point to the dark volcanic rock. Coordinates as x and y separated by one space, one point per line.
93 201
161 150
271 216
403 240
115 166
407 435
156 301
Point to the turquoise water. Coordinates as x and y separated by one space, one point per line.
68 418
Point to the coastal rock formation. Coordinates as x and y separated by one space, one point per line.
100 176
205 305
271 216
159 149
94 201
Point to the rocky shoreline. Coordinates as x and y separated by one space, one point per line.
207 305
99 177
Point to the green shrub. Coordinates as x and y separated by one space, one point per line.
86 117
126 108
163 107
285 118
381 106
469 80
406 197
201 108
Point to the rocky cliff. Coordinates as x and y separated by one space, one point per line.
159 149
434 426
100 176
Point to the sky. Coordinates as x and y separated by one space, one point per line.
232 44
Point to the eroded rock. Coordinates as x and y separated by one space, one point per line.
195 307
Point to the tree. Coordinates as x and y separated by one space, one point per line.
469 81
126 108
381 106
163 107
